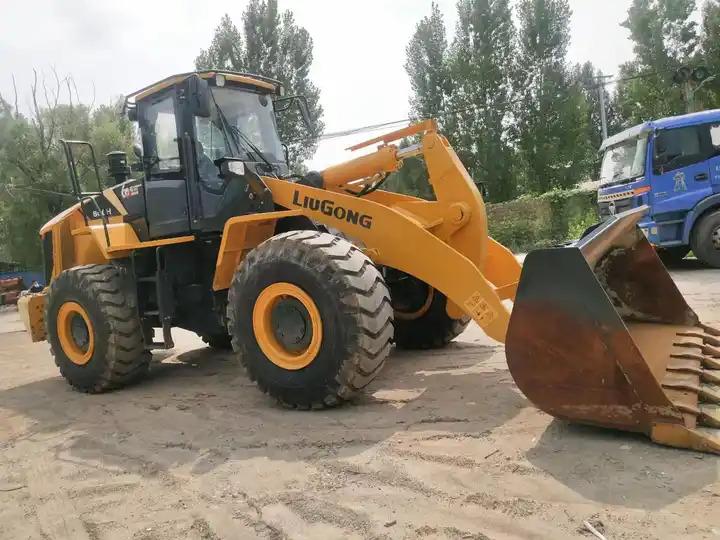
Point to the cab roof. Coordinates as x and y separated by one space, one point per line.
258 81
670 122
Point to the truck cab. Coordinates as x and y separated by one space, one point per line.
672 165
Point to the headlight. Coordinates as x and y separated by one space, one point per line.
219 80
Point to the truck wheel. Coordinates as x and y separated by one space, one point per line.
705 239
94 329
310 318
421 321
672 255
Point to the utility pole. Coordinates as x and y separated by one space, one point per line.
603 111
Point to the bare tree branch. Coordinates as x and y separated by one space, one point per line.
17 111
67 82
92 103
77 94
37 120
52 107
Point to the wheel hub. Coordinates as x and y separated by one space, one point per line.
287 325
411 298
716 238
291 323
75 333
79 332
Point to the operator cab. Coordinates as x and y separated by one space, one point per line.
207 137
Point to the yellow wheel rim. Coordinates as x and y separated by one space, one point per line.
413 315
76 334
287 326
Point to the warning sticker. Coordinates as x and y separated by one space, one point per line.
480 310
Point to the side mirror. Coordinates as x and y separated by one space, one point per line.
199 96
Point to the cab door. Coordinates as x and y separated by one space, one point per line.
166 194
681 169
714 162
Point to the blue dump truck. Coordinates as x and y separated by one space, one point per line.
671 165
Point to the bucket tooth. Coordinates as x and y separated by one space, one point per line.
706 361
711 363
707 339
710 415
711 376
710 330
710 393
708 350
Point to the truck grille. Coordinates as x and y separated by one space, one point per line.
620 206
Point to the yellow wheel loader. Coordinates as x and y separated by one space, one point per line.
312 278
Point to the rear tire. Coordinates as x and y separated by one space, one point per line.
348 309
705 239
421 319
94 330
672 255
221 342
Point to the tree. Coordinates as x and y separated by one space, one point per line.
666 38
34 185
273 45
552 113
710 51
483 71
427 67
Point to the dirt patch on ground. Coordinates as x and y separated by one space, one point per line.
442 445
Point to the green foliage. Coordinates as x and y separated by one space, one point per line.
666 38
552 112
549 219
411 179
710 52
427 67
273 45
483 75
33 173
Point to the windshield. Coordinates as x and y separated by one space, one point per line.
624 161
251 114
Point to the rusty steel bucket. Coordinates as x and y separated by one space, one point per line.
600 335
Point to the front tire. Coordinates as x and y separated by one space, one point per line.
94 330
705 239
310 318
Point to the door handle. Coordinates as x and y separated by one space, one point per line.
701 176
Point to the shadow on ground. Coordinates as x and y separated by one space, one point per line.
619 468
199 410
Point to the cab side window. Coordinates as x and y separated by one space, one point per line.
160 140
677 148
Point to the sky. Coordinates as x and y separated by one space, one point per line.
112 48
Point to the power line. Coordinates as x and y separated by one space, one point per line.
10 187
374 127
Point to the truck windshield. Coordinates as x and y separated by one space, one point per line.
623 162
250 114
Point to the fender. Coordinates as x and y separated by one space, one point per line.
699 209
240 234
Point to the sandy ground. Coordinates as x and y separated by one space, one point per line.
441 446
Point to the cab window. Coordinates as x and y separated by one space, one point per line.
677 148
160 138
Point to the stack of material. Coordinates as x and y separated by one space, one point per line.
10 290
